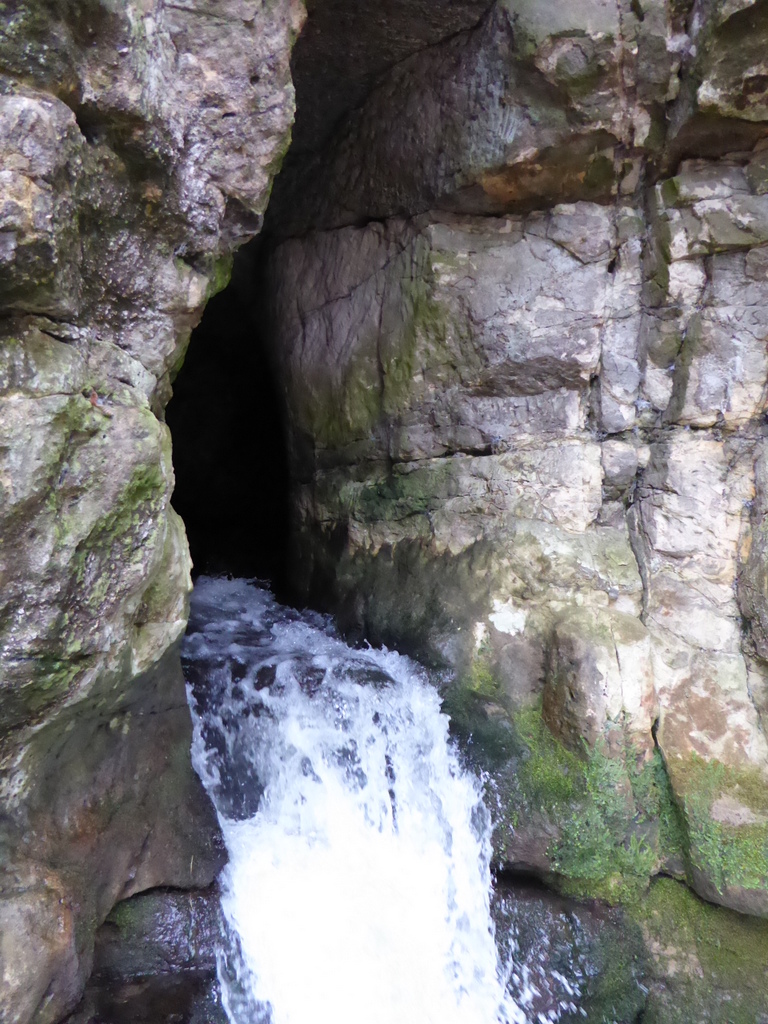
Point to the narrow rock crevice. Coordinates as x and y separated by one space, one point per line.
229 442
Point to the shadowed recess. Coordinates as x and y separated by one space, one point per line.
228 441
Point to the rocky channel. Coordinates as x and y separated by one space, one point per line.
489 385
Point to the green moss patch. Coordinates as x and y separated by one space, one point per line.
550 776
401 494
729 854
712 963
487 737
615 820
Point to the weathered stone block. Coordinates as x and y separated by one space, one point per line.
599 687
39 246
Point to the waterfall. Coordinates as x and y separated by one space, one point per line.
358 883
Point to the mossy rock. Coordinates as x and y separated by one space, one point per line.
710 964
726 819
609 824
583 961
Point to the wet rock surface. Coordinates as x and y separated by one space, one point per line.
674 958
572 962
159 932
108 805
188 998
520 327
138 143
518 287
155 961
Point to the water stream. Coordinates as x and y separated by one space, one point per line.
358 884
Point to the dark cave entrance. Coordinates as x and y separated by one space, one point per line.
229 445
226 416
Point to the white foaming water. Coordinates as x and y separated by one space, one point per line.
358 880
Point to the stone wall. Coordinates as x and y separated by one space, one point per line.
520 319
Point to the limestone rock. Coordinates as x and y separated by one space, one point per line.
753 578
722 96
518 296
526 109
672 958
694 507
569 958
705 335
40 251
504 427
192 996
462 357
599 685
38 946
621 461
704 963
101 803
345 48
155 959
120 210
138 143
494 325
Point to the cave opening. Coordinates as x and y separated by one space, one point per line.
226 416
229 444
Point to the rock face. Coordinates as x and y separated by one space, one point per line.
569 961
138 143
520 321
519 288
155 960
703 963
531 105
